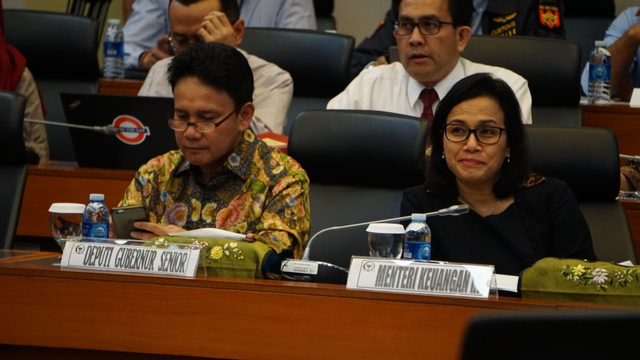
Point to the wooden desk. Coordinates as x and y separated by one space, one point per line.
623 120
44 306
120 86
49 184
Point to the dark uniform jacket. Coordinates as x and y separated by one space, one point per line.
541 18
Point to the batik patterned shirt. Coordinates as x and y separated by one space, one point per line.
261 190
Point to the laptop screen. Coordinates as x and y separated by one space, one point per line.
142 134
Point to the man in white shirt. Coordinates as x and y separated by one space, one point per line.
146 31
209 21
430 34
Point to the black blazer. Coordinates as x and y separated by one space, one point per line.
544 221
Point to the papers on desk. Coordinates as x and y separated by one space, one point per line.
507 282
635 98
210 233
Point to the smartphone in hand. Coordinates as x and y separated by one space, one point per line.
124 217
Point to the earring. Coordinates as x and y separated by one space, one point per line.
509 158
442 156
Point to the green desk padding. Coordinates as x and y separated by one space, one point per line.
583 281
230 258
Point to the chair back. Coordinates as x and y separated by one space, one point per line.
587 160
536 336
551 66
61 52
13 167
358 163
318 62
94 9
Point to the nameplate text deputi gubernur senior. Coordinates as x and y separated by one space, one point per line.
135 259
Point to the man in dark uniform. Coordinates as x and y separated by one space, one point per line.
541 18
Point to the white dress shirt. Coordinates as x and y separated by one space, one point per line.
150 20
390 88
273 89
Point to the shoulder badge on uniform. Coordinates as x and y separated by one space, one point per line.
503 25
549 16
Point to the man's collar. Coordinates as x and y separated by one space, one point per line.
239 161
442 87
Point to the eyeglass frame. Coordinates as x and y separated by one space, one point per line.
473 131
195 123
396 26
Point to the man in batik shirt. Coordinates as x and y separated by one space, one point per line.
223 176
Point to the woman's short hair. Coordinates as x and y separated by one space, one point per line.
513 173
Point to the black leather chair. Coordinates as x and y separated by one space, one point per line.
587 160
94 9
317 61
324 15
13 167
548 336
358 162
61 52
552 68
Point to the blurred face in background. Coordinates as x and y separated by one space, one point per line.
429 58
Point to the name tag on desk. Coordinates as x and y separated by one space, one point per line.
181 262
423 278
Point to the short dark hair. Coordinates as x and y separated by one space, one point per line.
461 11
229 7
439 177
218 65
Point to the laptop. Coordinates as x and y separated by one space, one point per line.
142 133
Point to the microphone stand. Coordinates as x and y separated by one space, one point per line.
628 157
454 210
107 129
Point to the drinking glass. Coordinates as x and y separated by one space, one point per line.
66 221
386 240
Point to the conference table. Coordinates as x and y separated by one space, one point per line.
59 182
51 312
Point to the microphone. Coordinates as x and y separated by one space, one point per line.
629 157
107 129
454 210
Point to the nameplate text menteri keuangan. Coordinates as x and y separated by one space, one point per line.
416 277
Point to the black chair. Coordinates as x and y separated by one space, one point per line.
317 61
358 162
61 52
552 336
13 166
551 66
324 15
587 160
94 9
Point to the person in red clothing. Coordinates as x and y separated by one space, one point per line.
16 77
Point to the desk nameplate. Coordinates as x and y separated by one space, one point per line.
422 278
181 262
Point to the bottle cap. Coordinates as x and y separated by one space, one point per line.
112 22
601 43
418 217
96 197
66 208
386 228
